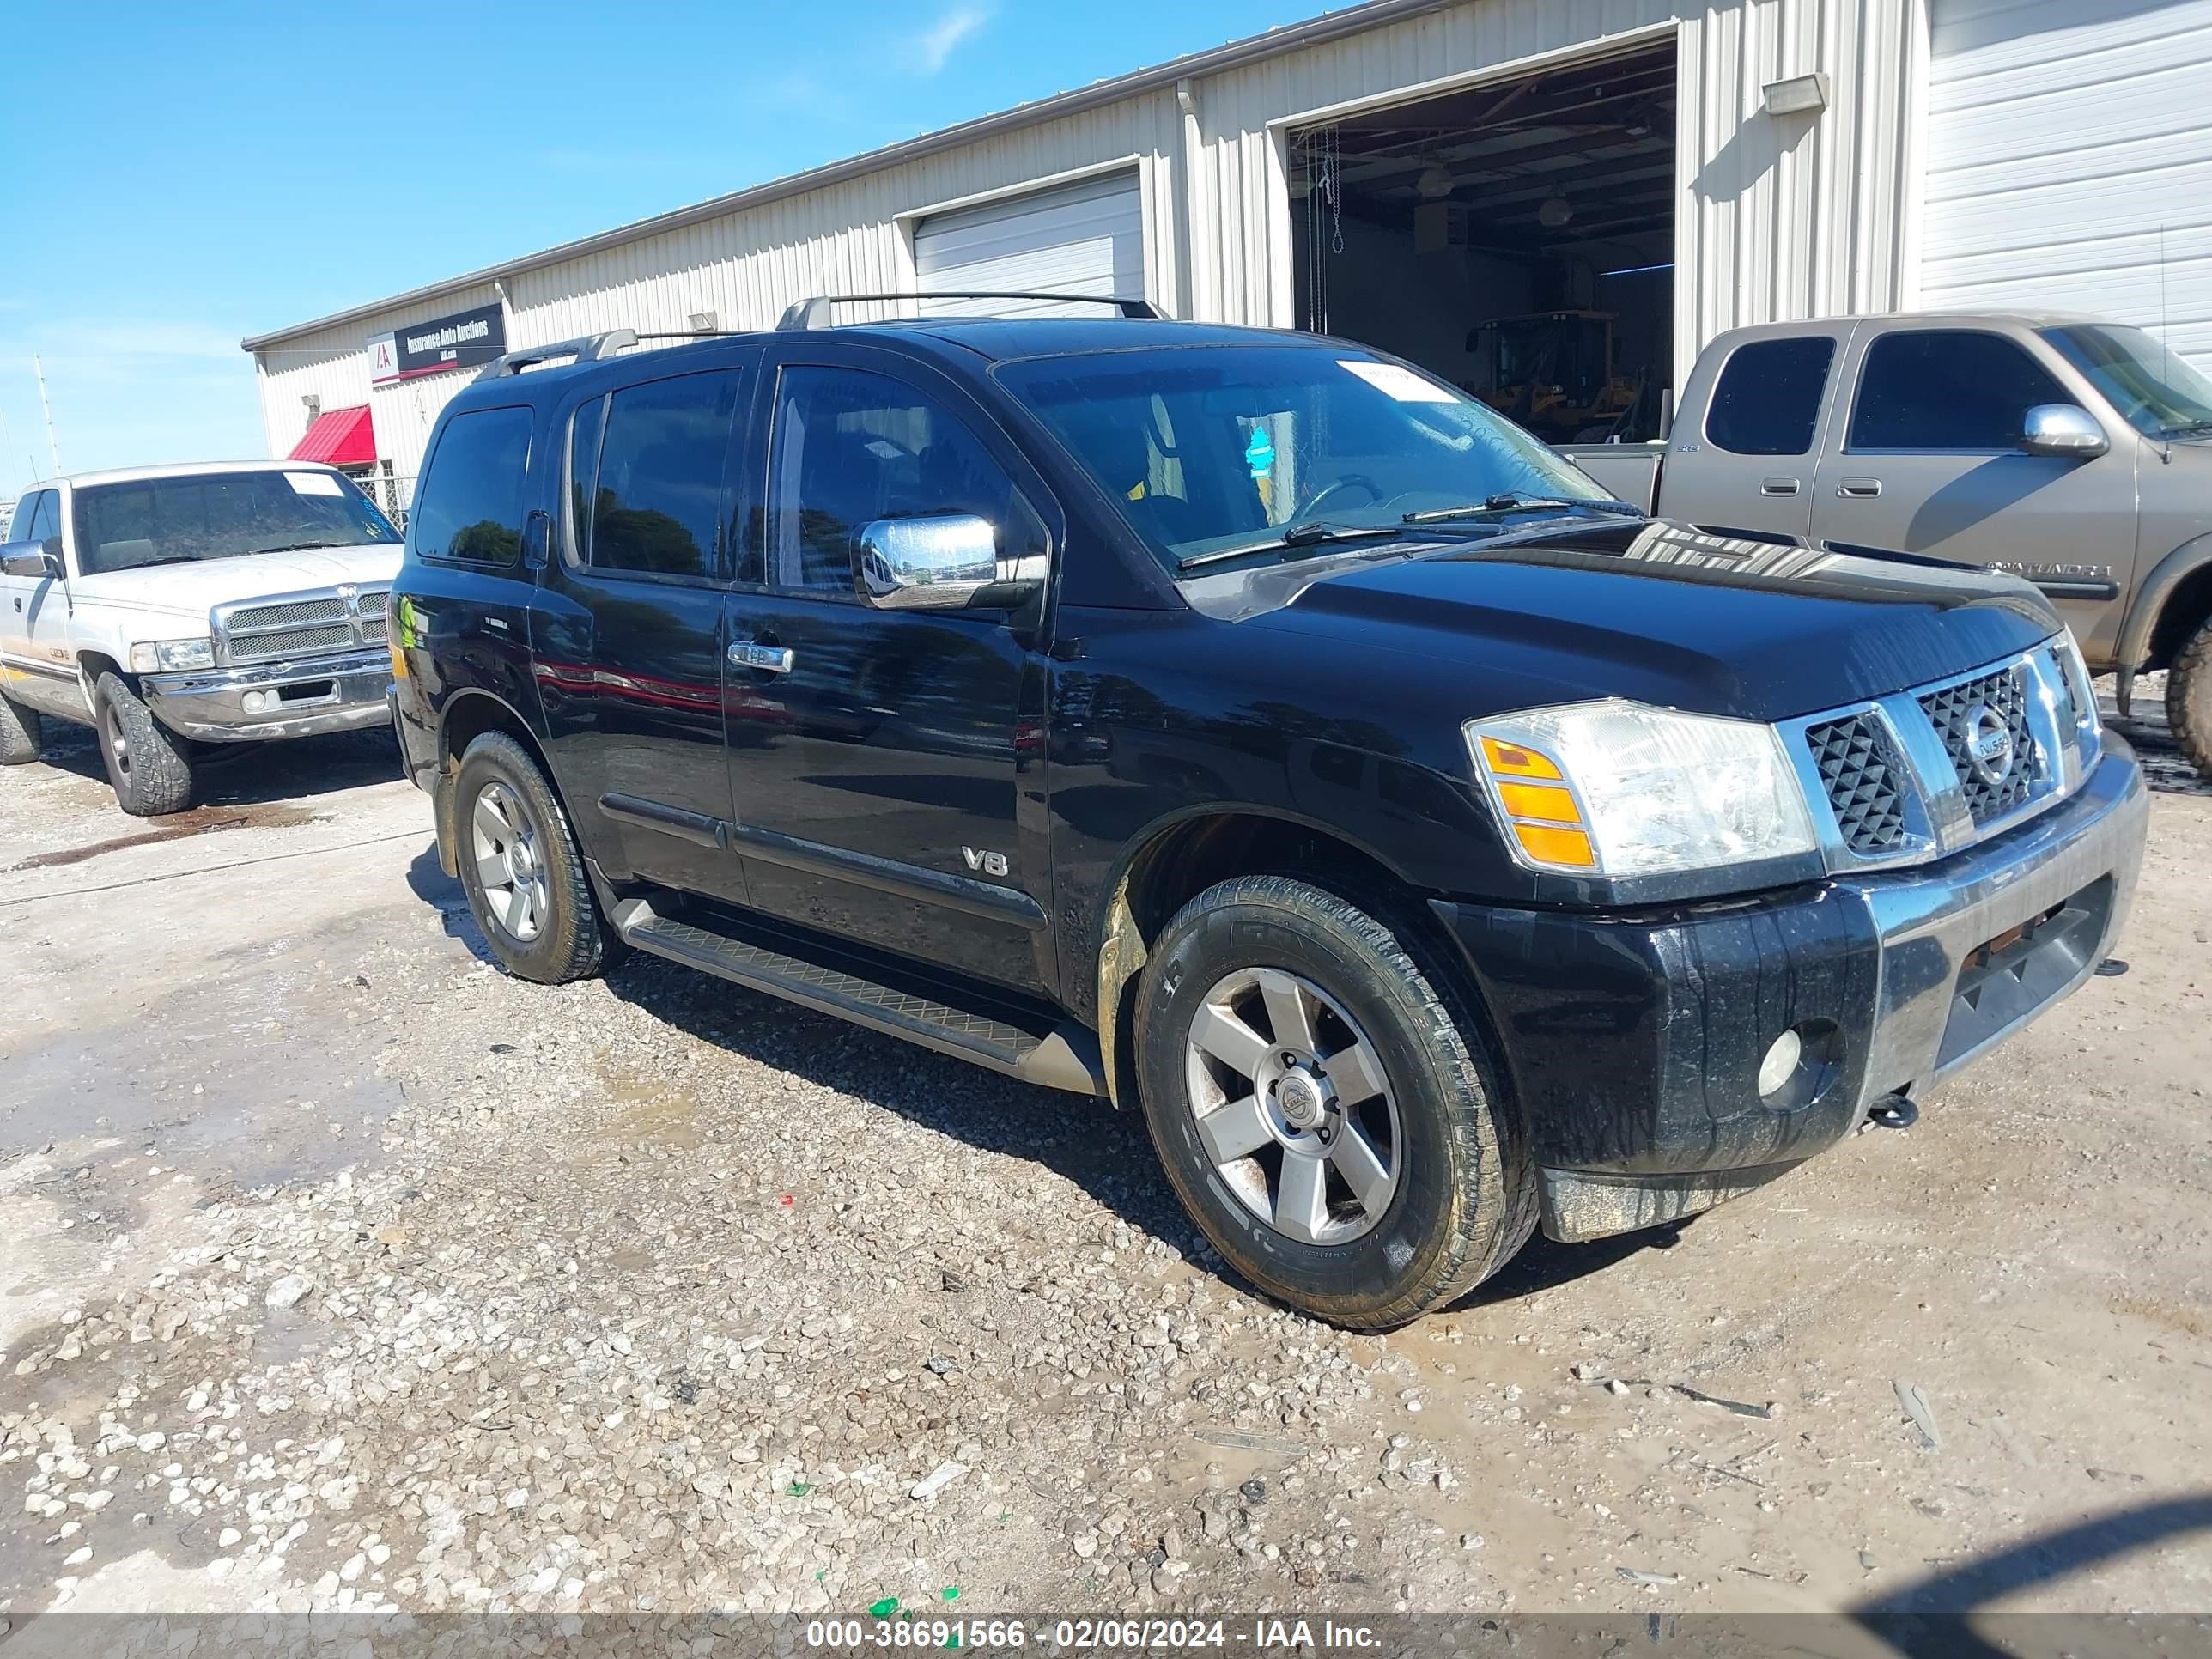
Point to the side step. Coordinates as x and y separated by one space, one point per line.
1065 1058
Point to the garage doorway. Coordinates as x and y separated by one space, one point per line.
1083 238
1516 239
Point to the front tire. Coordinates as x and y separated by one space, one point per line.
521 866
21 737
2189 699
150 765
1319 1095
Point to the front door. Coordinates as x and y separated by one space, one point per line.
34 651
1930 463
627 636
880 787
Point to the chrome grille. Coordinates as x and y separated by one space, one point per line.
1865 780
1956 713
300 625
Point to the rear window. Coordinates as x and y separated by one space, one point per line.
1769 396
470 506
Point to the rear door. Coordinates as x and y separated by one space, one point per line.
628 635
1751 467
880 787
1927 460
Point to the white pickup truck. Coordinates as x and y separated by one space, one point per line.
173 606
2073 451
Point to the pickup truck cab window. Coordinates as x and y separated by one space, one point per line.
657 498
469 506
1768 401
44 521
220 515
1948 390
2155 392
1266 437
850 448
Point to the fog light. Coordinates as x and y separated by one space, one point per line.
1780 1062
257 701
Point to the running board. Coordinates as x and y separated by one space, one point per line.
1065 1058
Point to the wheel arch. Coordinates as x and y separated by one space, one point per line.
467 715
2172 600
1182 853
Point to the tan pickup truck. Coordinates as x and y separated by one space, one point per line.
2070 450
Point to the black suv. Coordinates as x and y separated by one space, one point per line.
1250 727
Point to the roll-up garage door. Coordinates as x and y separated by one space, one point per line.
2069 163
1082 238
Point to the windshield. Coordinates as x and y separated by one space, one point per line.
220 515
1209 449
2156 393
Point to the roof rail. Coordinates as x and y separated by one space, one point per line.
589 349
814 313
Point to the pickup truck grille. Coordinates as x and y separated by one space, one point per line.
300 625
1866 782
1955 711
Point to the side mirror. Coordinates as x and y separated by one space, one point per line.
37 560
949 562
2065 430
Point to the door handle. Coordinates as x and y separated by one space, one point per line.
768 659
1860 489
1777 486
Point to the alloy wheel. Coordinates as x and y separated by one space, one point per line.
510 862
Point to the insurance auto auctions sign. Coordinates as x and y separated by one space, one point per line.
464 340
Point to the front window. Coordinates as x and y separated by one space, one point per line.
220 515
1209 450
2155 392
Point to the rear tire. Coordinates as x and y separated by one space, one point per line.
1426 1189
150 765
21 737
521 866
2189 699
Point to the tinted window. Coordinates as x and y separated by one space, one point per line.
1769 396
658 502
1946 389
219 515
470 506
35 518
849 448
585 428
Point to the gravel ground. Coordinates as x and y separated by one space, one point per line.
345 1272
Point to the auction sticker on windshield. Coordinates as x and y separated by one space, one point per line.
1399 382
315 483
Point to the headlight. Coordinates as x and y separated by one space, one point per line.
166 656
1617 789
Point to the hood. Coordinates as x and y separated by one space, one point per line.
193 590
1660 612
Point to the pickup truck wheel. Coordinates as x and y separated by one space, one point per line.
521 867
150 765
2188 698
1324 1107
20 735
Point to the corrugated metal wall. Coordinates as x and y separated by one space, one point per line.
1777 218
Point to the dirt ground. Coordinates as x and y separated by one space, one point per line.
341 1271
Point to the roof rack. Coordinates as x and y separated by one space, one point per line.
588 350
814 313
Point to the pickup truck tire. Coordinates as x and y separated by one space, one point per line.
21 737
521 866
2188 698
150 765
1324 1104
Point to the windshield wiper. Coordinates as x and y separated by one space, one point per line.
1516 501
1310 533
298 546
2187 429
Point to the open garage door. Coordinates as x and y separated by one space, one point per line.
2069 163
1087 238
1516 239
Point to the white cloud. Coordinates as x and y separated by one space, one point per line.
936 43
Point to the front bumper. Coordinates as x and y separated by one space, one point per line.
302 698
1634 1040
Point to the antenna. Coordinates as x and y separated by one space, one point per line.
46 409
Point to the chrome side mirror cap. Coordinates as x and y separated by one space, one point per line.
36 559
2065 430
947 562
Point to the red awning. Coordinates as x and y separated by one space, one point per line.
338 437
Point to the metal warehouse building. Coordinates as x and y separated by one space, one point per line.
1554 202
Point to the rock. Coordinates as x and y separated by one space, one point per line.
289 1290
77 1558
227 1537
937 1479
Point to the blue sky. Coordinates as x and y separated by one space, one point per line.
175 177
